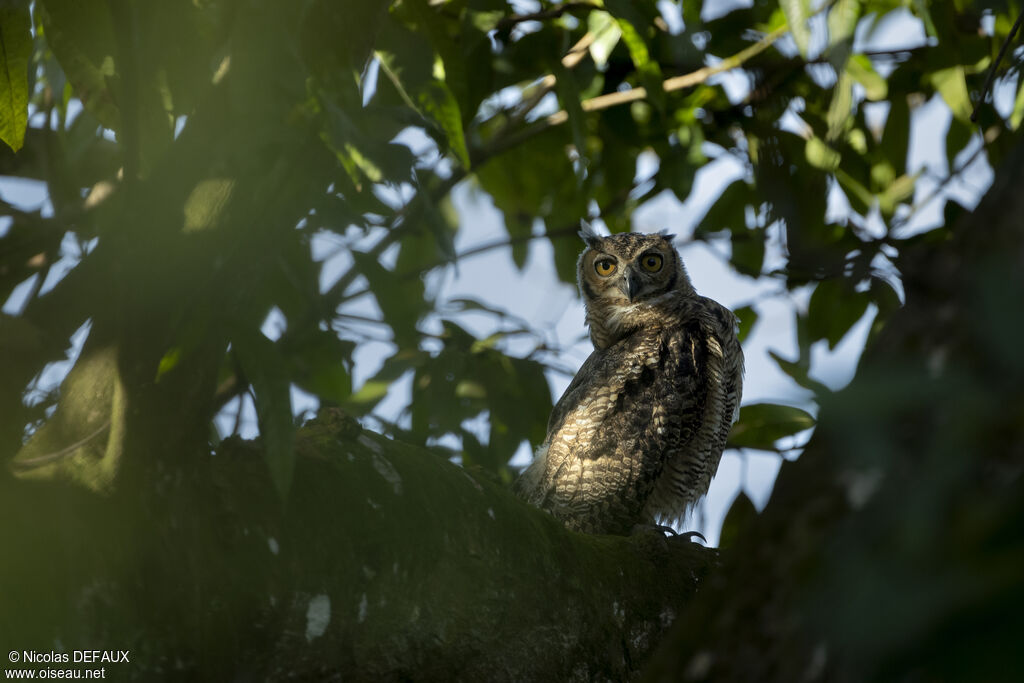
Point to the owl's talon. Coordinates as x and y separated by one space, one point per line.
654 528
689 536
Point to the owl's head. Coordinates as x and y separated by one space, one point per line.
629 268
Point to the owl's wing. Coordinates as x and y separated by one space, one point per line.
690 467
535 483
623 416
577 388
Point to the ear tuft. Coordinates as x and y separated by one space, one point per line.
588 235
669 237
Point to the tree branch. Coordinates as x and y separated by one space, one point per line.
675 83
995 65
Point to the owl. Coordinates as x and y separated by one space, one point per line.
638 434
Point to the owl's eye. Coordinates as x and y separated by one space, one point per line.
651 263
604 267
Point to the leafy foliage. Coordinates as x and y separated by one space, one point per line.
212 146
249 198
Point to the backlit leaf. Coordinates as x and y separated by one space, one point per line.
840 108
82 38
1018 108
834 308
860 69
762 424
741 513
842 21
15 50
820 155
264 367
606 33
747 317
439 104
799 373
797 12
952 85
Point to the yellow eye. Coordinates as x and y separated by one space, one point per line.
604 267
651 262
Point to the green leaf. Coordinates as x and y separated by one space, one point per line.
840 109
569 96
534 179
900 189
680 162
454 40
952 85
401 300
860 69
484 21
606 34
921 10
81 36
729 213
206 203
798 372
338 37
842 22
422 249
647 69
957 137
797 12
376 388
747 317
834 308
741 514
729 210
567 249
438 102
318 361
635 44
882 175
519 401
15 50
896 137
83 440
859 197
887 302
264 367
820 155
748 251
762 424
1018 108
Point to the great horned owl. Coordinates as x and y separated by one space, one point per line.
637 435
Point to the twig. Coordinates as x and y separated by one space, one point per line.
995 65
573 57
675 83
939 189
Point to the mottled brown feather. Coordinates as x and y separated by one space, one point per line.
639 432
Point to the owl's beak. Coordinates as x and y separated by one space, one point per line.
630 285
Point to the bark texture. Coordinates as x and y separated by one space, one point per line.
386 563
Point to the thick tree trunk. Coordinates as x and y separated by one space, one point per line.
386 563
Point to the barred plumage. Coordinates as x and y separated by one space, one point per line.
638 434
